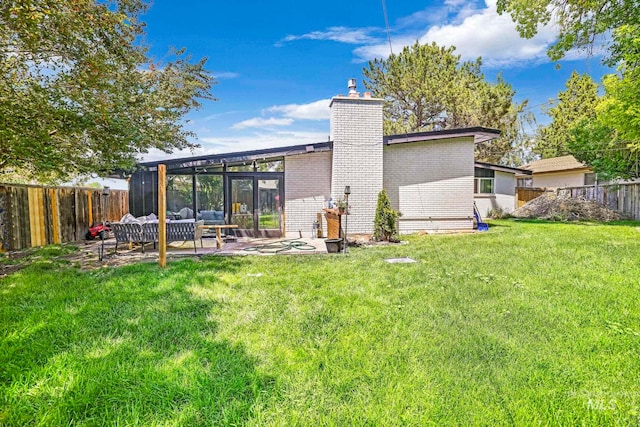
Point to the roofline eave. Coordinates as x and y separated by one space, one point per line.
237 157
480 135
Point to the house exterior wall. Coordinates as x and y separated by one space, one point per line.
553 180
431 184
356 132
307 184
504 197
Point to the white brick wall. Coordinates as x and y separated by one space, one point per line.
356 132
431 184
307 184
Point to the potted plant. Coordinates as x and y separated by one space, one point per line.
343 206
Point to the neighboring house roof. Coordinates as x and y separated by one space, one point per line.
501 168
480 134
555 164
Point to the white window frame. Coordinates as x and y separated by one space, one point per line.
478 185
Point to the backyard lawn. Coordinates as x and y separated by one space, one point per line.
531 323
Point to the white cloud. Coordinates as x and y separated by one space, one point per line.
317 110
455 3
225 75
465 11
259 122
422 18
475 33
260 140
493 37
475 30
381 49
338 34
229 144
155 155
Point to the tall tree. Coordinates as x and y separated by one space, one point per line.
573 105
620 108
79 92
427 87
611 143
580 23
596 144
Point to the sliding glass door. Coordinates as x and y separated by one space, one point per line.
255 205
269 212
242 211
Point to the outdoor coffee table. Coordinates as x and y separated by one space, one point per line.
219 228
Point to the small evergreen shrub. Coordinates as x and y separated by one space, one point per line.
385 222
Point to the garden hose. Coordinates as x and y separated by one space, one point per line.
281 246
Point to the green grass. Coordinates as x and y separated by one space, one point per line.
269 221
531 323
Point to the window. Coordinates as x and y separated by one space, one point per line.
241 168
525 182
484 186
180 194
271 166
210 193
484 181
589 179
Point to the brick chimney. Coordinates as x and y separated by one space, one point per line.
356 132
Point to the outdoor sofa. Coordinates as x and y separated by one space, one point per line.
147 232
212 217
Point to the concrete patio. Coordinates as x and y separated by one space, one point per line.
241 247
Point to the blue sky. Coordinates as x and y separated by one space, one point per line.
279 63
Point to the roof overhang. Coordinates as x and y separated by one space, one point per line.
237 157
501 168
554 165
560 170
479 134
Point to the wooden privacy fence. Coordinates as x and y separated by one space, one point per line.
32 215
525 194
623 198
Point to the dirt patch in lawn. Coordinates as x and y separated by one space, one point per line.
84 255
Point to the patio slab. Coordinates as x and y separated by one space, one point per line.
241 247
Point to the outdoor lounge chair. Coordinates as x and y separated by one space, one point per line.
132 232
177 231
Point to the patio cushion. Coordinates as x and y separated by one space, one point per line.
208 215
212 217
186 213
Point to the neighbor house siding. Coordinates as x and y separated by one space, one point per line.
431 184
504 196
553 180
307 185
356 131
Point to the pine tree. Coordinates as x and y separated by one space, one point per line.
428 87
384 224
577 103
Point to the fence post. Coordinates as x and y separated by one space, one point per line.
162 215
55 220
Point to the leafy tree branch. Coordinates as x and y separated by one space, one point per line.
79 92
